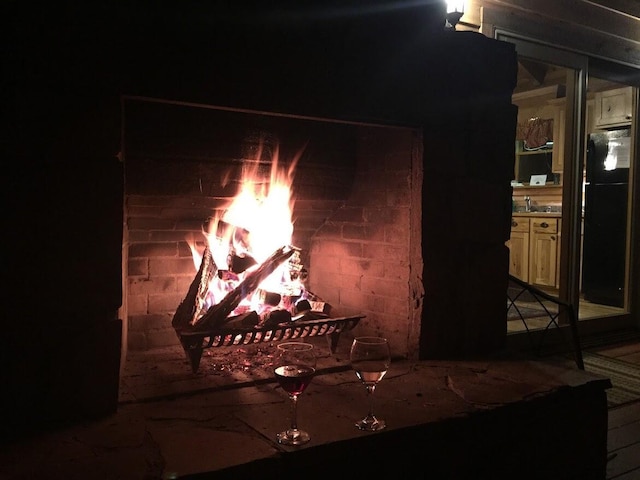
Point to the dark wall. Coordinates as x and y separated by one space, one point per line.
66 68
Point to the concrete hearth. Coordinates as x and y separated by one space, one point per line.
493 418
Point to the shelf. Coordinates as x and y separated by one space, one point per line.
546 185
534 152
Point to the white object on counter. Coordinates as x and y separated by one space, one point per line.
538 180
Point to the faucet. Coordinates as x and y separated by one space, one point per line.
527 203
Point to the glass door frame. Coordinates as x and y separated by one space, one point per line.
577 65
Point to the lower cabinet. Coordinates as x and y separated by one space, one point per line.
534 249
543 254
519 248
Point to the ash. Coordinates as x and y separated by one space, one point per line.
248 359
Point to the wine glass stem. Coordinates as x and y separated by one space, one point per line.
370 390
294 412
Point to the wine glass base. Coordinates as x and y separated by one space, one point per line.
293 437
371 424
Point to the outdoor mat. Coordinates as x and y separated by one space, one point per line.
625 377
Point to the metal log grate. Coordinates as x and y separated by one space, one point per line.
195 342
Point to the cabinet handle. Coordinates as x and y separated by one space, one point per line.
514 223
544 224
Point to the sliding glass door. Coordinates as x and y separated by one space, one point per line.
573 183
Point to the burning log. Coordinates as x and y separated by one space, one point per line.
216 316
217 327
246 320
276 317
238 264
191 307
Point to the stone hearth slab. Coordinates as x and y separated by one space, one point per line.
474 419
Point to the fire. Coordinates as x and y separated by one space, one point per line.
264 208
257 222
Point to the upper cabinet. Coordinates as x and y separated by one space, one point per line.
558 135
613 108
540 135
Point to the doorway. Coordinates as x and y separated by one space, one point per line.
571 223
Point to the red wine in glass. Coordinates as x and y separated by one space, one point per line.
294 366
294 378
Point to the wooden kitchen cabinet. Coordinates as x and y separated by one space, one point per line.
543 251
613 108
557 159
518 245
534 248
546 160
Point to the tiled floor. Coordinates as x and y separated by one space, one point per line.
624 420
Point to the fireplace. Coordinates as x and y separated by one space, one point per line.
356 215
418 249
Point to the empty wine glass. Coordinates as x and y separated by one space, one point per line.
294 367
370 359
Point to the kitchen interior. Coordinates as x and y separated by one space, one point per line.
539 201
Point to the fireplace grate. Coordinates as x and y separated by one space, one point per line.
195 342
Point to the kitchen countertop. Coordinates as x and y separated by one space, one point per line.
537 214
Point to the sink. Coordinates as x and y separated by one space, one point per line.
540 209
546 209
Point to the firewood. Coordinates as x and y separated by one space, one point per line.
217 314
238 264
273 318
269 298
302 306
193 304
308 315
246 320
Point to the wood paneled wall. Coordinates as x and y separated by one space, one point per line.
603 28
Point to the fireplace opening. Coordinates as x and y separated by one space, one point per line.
354 197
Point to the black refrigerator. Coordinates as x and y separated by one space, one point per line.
605 217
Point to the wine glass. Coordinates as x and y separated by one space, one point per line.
294 367
370 359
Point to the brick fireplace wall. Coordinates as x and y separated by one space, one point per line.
366 257
356 210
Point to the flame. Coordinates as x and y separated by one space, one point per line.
258 221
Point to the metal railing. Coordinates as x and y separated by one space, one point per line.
533 305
